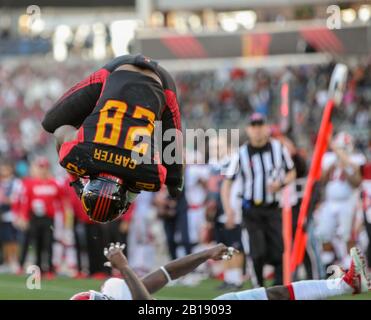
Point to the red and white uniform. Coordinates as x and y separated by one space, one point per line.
196 195
41 197
337 212
366 190
142 248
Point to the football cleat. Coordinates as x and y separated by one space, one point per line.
356 276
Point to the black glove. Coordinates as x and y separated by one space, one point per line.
78 186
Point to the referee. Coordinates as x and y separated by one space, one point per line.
265 167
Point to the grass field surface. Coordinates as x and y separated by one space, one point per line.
14 287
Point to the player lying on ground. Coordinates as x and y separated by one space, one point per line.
355 280
105 131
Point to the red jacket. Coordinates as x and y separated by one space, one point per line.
40 197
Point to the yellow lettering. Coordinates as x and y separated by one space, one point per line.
110 158
74 169
135 131
132 164
115 122
126 161
97 153
104 156
118 159
145 186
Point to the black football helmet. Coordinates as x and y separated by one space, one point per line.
104 198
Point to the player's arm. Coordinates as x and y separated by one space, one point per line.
70 111
180 267
64 134
352 171
76 104
118 260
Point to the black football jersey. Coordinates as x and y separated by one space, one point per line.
116 113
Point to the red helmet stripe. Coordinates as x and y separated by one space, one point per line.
104 204
108 203
96 206
97 210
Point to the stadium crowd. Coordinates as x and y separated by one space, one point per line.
42 221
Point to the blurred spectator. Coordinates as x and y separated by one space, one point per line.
141 240
166 211
189 231
42 197
9 186
233 269
341 177
366 207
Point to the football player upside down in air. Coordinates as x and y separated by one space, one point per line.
105 132
354 281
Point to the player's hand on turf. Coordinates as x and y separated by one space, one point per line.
115 256
222 252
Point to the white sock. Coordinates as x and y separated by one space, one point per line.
253 294
236 276
318 289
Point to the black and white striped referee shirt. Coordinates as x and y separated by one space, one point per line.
258 168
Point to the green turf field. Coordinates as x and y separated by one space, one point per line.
14 287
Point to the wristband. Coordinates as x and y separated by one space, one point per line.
167 275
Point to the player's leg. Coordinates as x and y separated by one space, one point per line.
25 246
48 241
38 238
234 267
253 294
326 229
347 212
257 243
273 236
368 230
354 281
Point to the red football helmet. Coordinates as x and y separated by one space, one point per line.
90 295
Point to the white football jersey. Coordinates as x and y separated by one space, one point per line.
338 187
196 193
